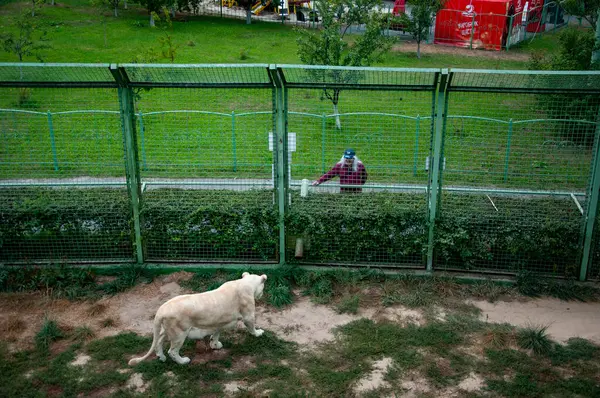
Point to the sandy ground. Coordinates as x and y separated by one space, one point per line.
563 319
306 323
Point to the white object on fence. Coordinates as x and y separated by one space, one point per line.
304 188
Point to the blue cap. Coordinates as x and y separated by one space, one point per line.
349 153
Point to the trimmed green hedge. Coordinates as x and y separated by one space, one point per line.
210 225
55 224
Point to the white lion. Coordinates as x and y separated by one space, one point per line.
199 315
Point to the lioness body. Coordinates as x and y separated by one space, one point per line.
203 314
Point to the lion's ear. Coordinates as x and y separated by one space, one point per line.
245 274
263 277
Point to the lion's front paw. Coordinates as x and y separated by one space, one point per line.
162 357
184 361
216 345
258 332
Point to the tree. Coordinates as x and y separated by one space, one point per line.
575 50
586 9
107 4
328 47
154 7
29 40
421 19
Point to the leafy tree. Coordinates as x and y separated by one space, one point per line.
107 4
586 9
154 7
575 50
328 47
420 19
29 40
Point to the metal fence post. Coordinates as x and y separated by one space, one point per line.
416 145
592 208
510 26
52 141
145 165
323 126
281 145
472 31
435 166
131 154
233 141
510 131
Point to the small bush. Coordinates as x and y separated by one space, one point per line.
349 305
48 333
535 339
279 295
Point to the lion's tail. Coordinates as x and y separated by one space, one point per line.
157 326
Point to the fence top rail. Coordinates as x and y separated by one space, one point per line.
524 81
318 76
56 75
198 75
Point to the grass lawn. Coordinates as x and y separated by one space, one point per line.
384 336
394 146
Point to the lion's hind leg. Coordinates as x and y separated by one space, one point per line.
177 336
159 345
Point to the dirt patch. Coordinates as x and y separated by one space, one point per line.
81 360
399 314
375 379
564 319
234 387
414 385
472 383
410 46
136 382
305 322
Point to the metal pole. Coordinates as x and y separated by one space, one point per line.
436 164
323 125
592 208
510 27
145 165
416 146
510 131
131 154
596 51
472 31
52 141
233 140
280 138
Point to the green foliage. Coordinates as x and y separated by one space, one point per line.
535 339
204 224
349 305
117 347
30 40
535 285
48 333
420 19
328 46
586 9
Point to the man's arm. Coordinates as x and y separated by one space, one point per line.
335 170
363 173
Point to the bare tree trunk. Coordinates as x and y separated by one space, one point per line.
248 16
116 12
419 49
338 122
152 24
52 2
173 12
125 4
33 8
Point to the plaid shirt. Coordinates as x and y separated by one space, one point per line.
347 176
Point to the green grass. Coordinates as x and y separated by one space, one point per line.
49 332
536 339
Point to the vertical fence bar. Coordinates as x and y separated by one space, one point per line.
510 24
510 131
144 164
556 5
323 126
233 144
435 166
281 142
131 154
592 207
416 145
472 31
52 141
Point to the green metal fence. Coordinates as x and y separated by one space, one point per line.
484 171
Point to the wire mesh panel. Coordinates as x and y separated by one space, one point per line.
390 132
516 174
207 172
63 193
